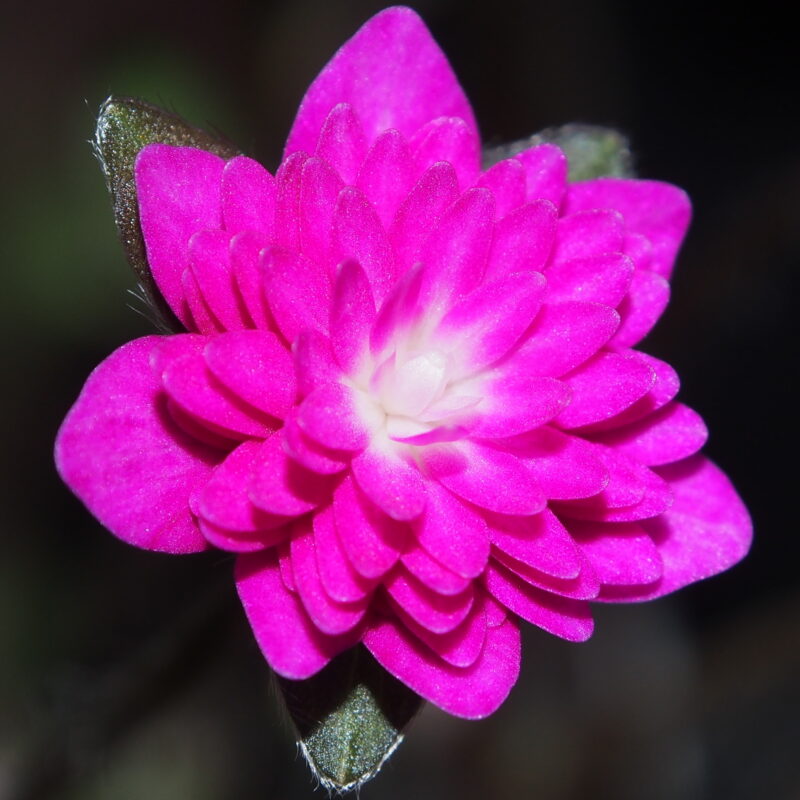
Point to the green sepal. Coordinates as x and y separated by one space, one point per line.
349 718
124 126
592 151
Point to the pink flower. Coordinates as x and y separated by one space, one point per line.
407 397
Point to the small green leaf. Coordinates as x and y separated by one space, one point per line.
592 151
124 127
349 718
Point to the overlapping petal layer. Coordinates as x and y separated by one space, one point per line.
406 396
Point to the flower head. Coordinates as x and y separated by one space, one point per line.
407 395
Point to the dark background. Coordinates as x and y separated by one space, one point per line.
126 674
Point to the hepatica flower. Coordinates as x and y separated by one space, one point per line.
407 396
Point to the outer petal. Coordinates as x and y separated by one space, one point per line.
473 692
179 190
546 170
410 82
291 643
121 453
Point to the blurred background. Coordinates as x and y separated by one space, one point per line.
126 674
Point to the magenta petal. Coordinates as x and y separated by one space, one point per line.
435 191
198 312
225 500
523 240
453 533
127 460
597 279
351 316
489 478
320 186
387 175
455 253
242 541
513 404
473 692
280 485
480 329
566 618
587 234
329 416
506 181
298 290
448 139
546 171
670 434
294 647
339 578
647 298
410 82
372 541
179 194
430 572
246 250
288 183
603 387
397 314
248 197
562 337
391 481
620 554
255 366
540 541
314 361
309 453
328 615
342 143
659 211
438 613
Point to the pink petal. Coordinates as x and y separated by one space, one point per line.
248 197
319 188
489 478
455 253
387 175
540 541
410 82
706 531
329 416
640 310
189 383
339 578
342 143
328 615
120 452
523 240
430 572
372 541
391 481
435 191
453 533
197 311
298 290
314 361
255 366
596 279
670 434
562 337
351 316
659 211
587 234
293 646
242 541
620 554
603 387
480 329
448 139
561 616
513 404
473 692
288 182
585 586
179 193
438 613
506 181
279 485
546 171
399 311
309 453
246 250
225 500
